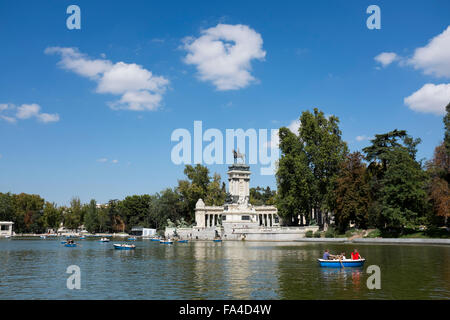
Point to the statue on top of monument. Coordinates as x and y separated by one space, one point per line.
238 155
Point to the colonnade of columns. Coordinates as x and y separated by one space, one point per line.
267 220
212 220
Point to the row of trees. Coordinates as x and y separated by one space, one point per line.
385 186
318 180
32 214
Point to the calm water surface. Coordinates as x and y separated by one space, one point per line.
36 269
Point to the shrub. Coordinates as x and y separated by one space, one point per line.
309 234
374 234
330 233
348 234
317 234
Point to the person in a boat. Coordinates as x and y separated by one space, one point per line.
326 255
355 255
342 256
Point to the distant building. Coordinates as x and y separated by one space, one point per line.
143 232
237 212
237 219
6 228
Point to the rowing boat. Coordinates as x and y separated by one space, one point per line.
70 245
182 241
341 263
124 246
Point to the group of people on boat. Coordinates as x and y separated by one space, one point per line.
327 256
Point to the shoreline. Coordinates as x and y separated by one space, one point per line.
432 241
380 240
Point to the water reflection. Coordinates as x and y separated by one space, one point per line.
36 269
342 277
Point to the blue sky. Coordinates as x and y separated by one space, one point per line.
67 133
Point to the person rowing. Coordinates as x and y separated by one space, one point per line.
355 255
328 256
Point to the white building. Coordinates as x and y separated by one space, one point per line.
237 219
6 228
143 232
237 212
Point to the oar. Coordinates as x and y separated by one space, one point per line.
341 262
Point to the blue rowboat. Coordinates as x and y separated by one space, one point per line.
217 240
124 246
342 263
132 239
70 245
166 242
155 239
182 241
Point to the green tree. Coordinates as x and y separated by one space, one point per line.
116 216
262 196
28 211
73 216
385 150
352 193
447 130
91 219
194 188
168 206
52 216
403 195
104 221
136 210
215 193
294 180
309 165
7 207
199 185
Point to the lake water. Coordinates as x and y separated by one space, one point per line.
36 269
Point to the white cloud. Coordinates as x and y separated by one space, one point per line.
386 58
362 138
294 126
4 106
102 160
26 111
222 55
115 161
46 117
72 59
274 141
434 58
430 98
139 88
8 119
